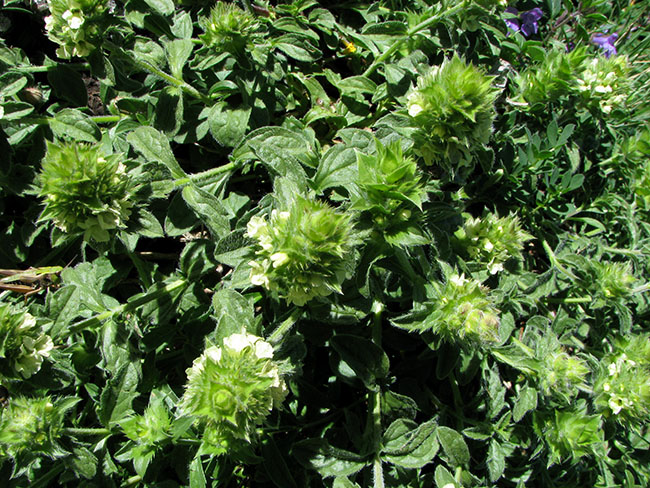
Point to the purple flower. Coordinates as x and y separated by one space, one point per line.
606 43
527 21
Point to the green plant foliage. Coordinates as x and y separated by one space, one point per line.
296 243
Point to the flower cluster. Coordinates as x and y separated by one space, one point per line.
603 83
31 426
622 387
458 310
85 190
390 189
453 106
76 25
228 28
232 388
305 249
491 240
563 373
598 84
526 22
611 279
23 344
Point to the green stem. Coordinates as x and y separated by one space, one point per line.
74 431
96 320
411 32
285 326
586 299
374 403
132 481
208 176
49 475
45 69
556 263
186 87
106 119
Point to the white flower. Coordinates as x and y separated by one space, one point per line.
75 21
237 342
415 109
279 258
255 227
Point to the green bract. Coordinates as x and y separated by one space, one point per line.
228 28
391 193
453 105
76 25
304 250
491 240
23 344
231 389
459 310
85 190
31 426
569 434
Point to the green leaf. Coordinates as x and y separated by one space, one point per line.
298 47
227 125
343 482
11 83
209 208
410 445
169 110
15 110
154 146
317 454
356 84
454 446
163 7
496 460
84 462
232 312
275 465
367 360
118 395
178 52
337 168
73 124
67 84
526 401
444 478
197 475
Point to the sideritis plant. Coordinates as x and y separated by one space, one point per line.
305 249
85 190
453 106
231 389
228 28
76 25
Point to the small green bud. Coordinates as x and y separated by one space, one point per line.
228 28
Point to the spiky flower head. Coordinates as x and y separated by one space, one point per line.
491 240
31 426
453 106
76 25
23 344
458 309
150 430
304 250
622 387
85 190
391 191
609 280
232 388
569 434
563 374
554 78
228 28
603 83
